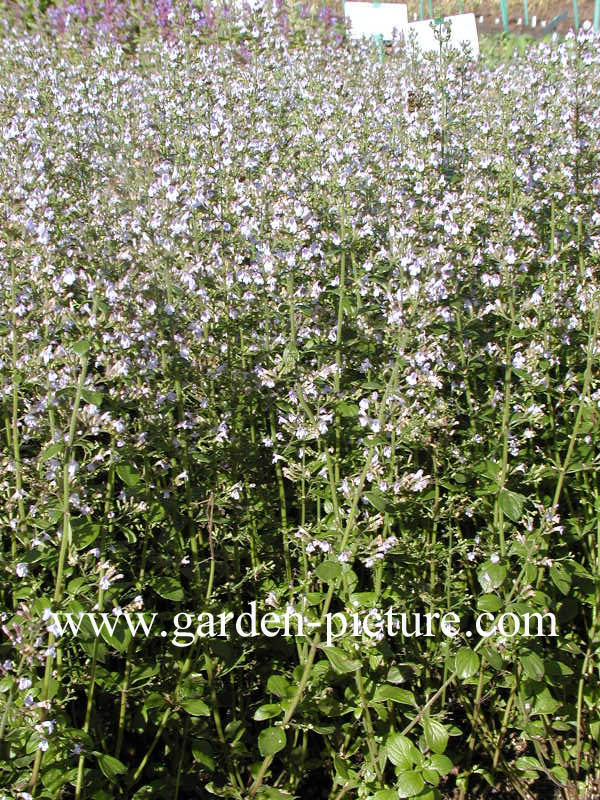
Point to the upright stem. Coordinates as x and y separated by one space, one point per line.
100 602
15 411
338 363
64 544
282 508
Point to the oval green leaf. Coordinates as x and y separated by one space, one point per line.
196 708
436 735
271 741
267 711
410 784
466 663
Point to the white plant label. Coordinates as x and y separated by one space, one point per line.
376 19
463 30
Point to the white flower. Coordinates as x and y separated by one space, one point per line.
21 569
24 683
69 276
420 481
494 558
518 361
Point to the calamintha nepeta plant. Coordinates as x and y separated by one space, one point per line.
270 332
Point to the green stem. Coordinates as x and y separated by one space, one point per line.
371 743
15 412
64 543
282 508
338 363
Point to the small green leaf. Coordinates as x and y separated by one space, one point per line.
341 768
377 499
328 571
489 602
203 753
128 475
410 784
400 751
339 662
545 703
169 588
560 578
95 398
267 711
441 763
561 774
466 663
395 694
493 657
270 793
431 776
81 347
526 763
395 675
196 708
84 533
363 599
111 766
385 794
154 700
277 684
533 666
436 735
52 450
348 409
511 504
491 576
271 741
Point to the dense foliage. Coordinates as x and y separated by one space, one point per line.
288 323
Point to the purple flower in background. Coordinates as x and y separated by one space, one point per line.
211 15
107 23
284 23
163 10
81 10
326 16
57 18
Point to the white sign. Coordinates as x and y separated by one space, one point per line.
376 19
463 30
